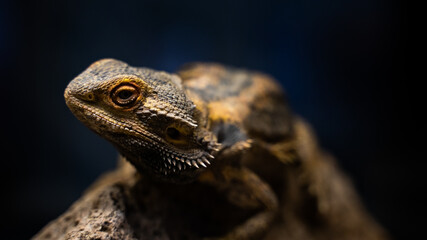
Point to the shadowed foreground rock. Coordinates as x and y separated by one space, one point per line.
123 205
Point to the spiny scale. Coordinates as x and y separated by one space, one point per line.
194 164
206 161
176 165
201 163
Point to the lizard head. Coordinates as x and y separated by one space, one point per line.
146 115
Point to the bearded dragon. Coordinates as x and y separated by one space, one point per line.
223 127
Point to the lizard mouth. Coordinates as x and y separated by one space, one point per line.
166 160
97 119
100 121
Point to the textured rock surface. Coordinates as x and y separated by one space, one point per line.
108 210
122 205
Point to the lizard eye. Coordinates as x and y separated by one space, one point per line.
125 95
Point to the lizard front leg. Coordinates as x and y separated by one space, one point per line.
245 189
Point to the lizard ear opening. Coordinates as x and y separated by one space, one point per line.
176 135
173 133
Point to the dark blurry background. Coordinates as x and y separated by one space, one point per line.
338 60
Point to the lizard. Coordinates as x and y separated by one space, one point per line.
229 128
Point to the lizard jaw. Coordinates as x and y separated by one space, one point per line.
171 161
96 119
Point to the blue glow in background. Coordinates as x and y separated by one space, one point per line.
336 60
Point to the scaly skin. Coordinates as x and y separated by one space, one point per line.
229 128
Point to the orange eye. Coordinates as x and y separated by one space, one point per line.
125 95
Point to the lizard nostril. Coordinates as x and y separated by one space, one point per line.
90 97
74 91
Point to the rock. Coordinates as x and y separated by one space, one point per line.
124 205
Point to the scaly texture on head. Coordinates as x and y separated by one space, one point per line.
146 115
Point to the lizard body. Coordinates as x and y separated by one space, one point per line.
228 128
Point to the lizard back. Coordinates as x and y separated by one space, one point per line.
252 101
